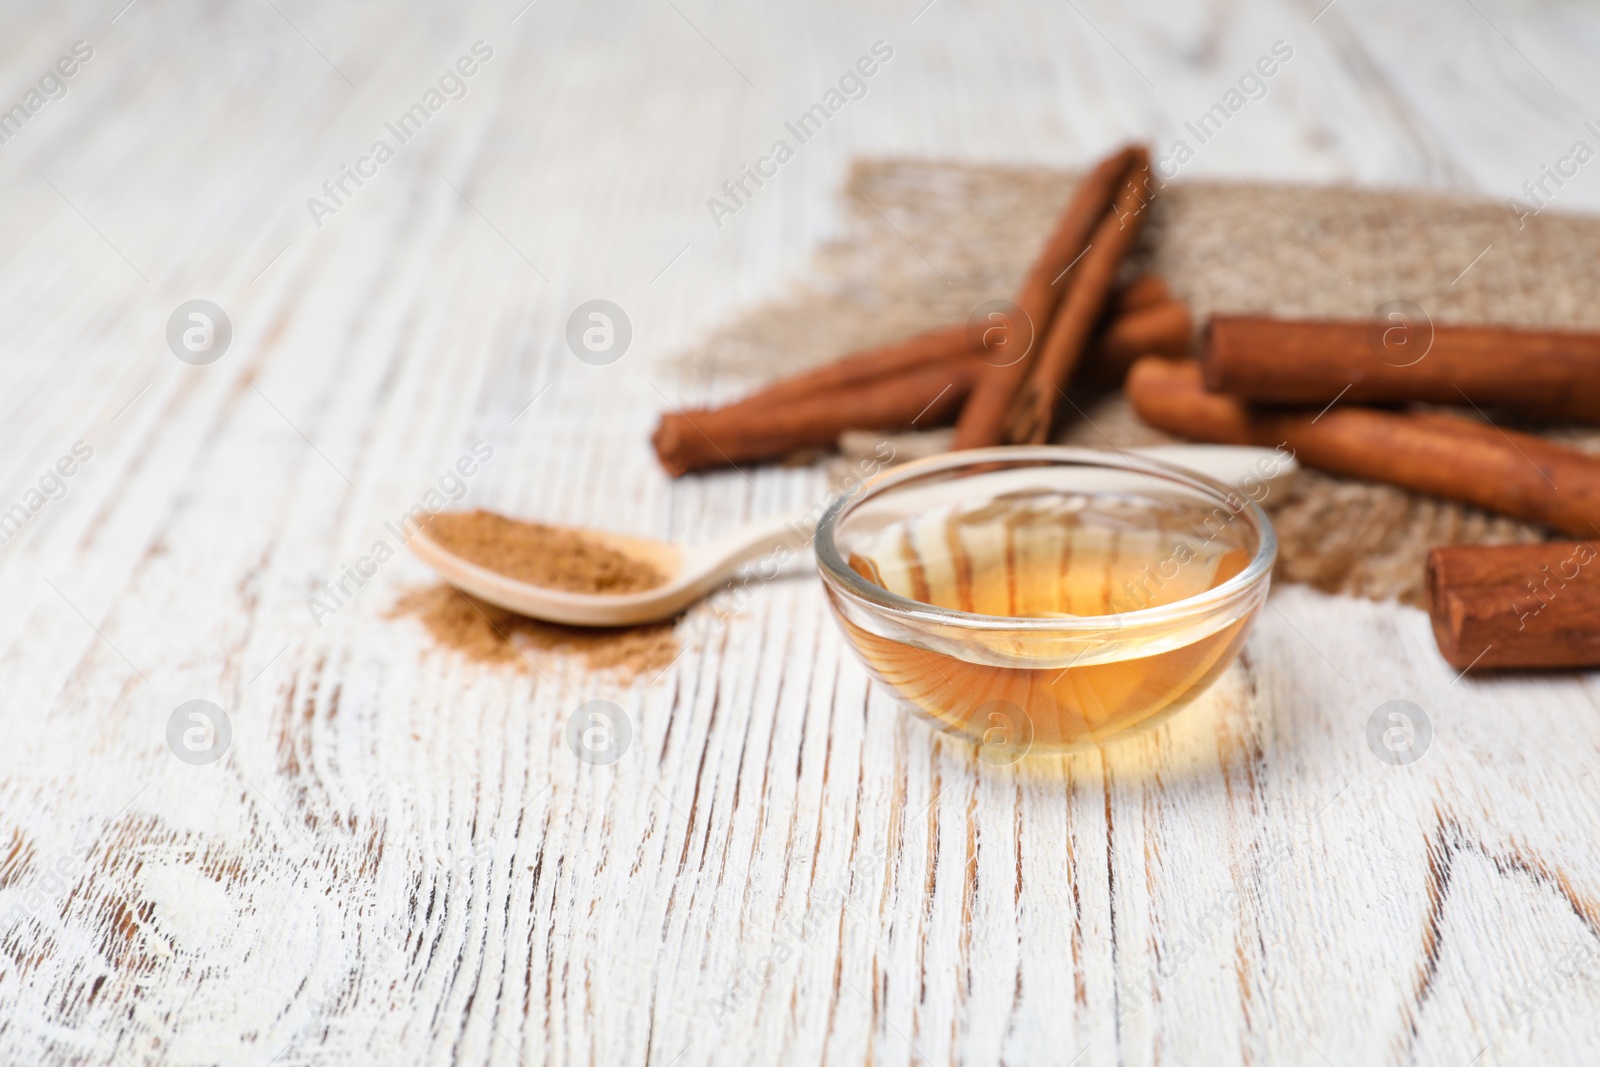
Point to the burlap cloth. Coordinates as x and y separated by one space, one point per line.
922 244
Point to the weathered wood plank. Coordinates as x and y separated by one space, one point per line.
399 859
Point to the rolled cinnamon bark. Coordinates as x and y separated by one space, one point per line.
926 396
1160 328
931 346
1543 374
1140 323
1512 473
1147 290
1144 319
982 419
1508 606
1163 329
1032 408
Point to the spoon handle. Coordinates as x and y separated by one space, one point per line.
769 536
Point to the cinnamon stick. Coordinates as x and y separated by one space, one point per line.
983 417
1512 473
897 357
1147 290
1161 328
1500 606
1032 408
1144 318
1164 330
925 396
1544 374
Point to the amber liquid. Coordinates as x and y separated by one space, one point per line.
1053 556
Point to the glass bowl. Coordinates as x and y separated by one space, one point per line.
1045 598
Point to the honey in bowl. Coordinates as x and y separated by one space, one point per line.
1040 554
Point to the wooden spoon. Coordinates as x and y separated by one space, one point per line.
694 572
698 570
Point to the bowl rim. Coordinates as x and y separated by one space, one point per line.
837 572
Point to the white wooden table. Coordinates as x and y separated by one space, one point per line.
397 858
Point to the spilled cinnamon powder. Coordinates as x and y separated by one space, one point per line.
532 552
494 636
549 556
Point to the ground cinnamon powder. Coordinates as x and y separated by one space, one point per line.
486 634
532 552
540 555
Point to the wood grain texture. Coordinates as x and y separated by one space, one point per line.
398 859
